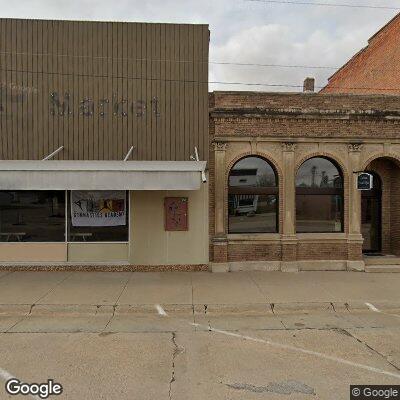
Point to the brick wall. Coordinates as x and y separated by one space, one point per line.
300 103
242 118
254 252
375 68
322 251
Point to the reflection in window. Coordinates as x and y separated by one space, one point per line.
253 197
32 216
319 196
98 216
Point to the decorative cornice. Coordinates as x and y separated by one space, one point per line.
289 146
305 120
313 113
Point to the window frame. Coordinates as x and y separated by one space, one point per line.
312 191
257 191
68 222
13 242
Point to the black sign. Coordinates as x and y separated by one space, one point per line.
364 181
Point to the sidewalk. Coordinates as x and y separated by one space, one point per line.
58 290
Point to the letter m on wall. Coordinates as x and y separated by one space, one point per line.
59 106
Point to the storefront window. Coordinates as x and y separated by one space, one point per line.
253 197
319 197
98 216
32 216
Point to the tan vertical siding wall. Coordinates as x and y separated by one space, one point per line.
151 244
93 61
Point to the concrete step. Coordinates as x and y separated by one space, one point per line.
382 260
383 268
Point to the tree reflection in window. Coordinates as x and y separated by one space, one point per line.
319 196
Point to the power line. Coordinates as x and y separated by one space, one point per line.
10 53
254 84
309 3
273 65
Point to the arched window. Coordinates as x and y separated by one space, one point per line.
319 196
253 197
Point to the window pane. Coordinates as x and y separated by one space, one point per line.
95 212
253 172
319 213
253 213
32 216
319 172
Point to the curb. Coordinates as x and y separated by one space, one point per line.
266 309
245 309
29 267
303 307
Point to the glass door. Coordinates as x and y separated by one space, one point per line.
371 217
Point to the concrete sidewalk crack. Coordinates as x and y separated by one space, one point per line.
371 348
176 351
56 285
112 316
258 287
123 289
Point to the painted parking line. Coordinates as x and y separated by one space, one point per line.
375 309
6 376
301 350
372 307
160 310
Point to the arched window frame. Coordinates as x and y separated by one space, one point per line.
327 191
249 190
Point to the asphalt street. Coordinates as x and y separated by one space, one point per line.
224 348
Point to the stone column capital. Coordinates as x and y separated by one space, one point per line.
289 146
219 146
355 147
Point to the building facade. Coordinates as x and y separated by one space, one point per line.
374 69
283 174
104 143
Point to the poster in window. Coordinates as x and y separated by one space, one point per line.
176 213
98 208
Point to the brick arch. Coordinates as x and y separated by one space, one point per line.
345 175
390 213
388 156
265 156
325 155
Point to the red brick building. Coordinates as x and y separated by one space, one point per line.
375 68
283 172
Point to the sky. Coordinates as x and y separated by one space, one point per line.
243 31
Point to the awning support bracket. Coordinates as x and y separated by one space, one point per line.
51 155
128 154
196 156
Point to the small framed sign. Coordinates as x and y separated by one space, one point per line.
176 213
365 181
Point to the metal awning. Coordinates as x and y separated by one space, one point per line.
101 175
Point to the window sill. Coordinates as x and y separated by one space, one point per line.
321 236
239 237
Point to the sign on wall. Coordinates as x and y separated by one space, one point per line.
176 213
365 181
98 208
